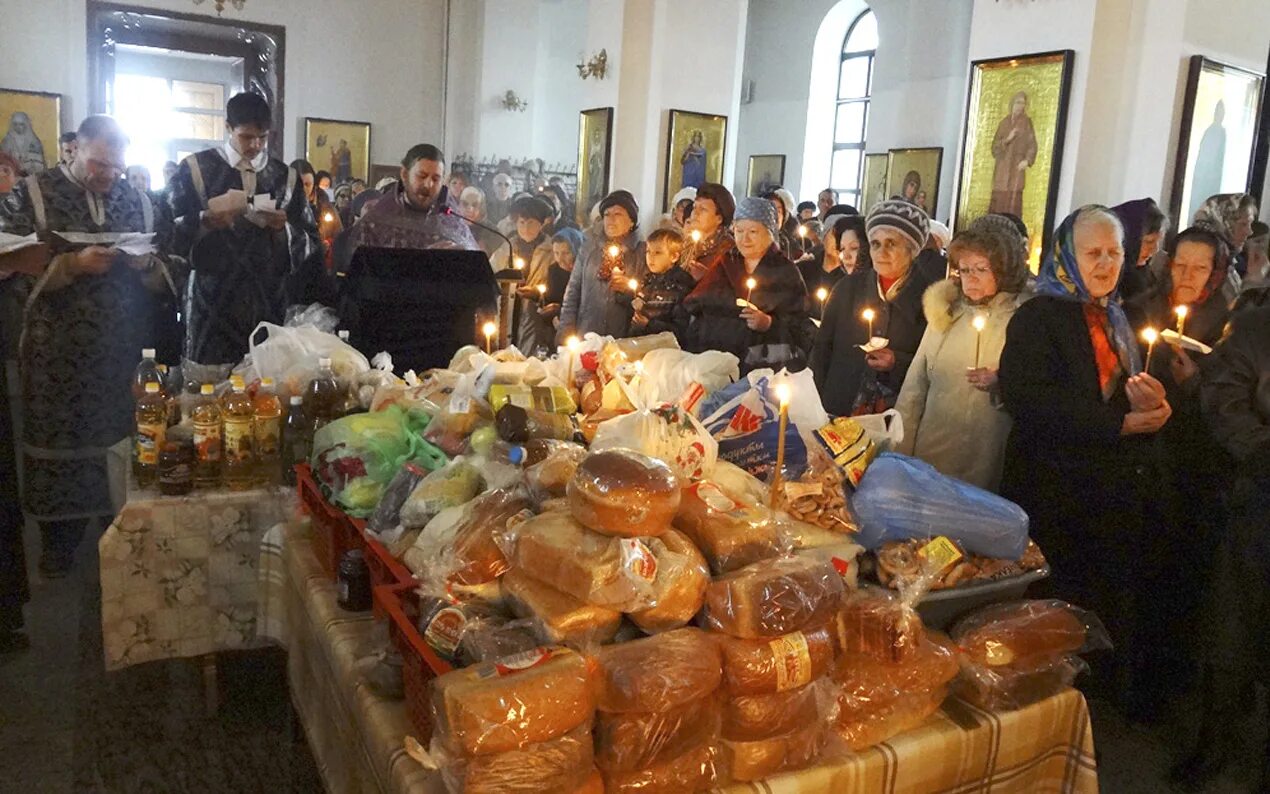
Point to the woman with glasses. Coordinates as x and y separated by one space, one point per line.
950 401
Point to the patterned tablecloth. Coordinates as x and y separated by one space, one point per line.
179 574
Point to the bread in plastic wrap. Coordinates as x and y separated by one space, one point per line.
680 586
558 618
863 728
594 784
638 739
1009 688
746 761
868 683
776 664
454 484
739 483
513 702
773 597
623 493
617 573
730 533
488 639
549 476
476 553
557 766
659 672
879 624
699 769
747 718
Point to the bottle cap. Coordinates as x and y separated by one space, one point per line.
239 387
147 352
343 335
152 388
207 388
516 455
297 399
162 368
324 363
266 382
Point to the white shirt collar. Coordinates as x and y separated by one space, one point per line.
233 157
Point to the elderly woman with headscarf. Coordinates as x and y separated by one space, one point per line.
1079 456
1144 228
844 251
531 254
850 380
1230 215
565 247
772 327
950 401
611 255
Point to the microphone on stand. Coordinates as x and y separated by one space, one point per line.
508 278
443 201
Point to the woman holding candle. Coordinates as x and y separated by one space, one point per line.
773 328
610 257
565 245
850 380
711 221
531 244
951 399
845 251
1079 456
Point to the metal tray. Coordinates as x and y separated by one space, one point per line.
940 608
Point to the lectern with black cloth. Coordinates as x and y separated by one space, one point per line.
420 306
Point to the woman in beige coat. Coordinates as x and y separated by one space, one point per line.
950 400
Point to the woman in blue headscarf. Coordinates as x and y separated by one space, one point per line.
565 245
1078 458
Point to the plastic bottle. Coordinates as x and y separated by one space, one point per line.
147 372
208 439
323 398
502 452
268 432
240 440
152 425
172 389
518 425
297 437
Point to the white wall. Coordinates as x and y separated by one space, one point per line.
371 60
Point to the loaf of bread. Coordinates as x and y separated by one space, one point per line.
696 770
509 704
868 683
658 673
594 784
562 765
610 572
548 476
748 718
638 739
876 623
1017 634
773 597
864 727
680 586
559 618
478 558
1009 688
776 664
624 493
730 533
756 760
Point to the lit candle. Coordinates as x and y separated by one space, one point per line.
802 230
542 291
978 322
696 236
750 284
868 316
1150 335
822 294
633 284
518 263
328 217
488 329
1181 312
782 395
614 251
572 344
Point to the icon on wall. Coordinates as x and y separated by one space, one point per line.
595 144
341 147
32 124
913 175
767 172
694 151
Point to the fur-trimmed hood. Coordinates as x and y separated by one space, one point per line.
942 303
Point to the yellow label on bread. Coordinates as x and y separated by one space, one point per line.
792 660
940 553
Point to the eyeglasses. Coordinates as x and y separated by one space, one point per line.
977 272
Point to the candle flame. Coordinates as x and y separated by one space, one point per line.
822 293
750 283
633 284
614 250
696 235
802 230
328 217
868 315
542 289
518 263
1182 311
571 343
978 322
1150 335
782 394
489 328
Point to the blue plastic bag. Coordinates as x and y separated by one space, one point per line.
747 428
903 498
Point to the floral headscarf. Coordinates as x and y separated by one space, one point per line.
1221 212
1060 277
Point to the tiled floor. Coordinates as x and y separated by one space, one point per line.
67 726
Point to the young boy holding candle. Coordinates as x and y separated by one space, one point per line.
655 301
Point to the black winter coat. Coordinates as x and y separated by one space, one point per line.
836 361
714 319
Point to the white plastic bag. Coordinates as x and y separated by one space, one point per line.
290 355
668 375
885 429
672 435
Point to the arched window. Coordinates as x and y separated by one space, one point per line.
851 116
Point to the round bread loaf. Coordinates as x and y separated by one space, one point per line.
623 493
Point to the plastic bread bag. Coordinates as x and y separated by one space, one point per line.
698 769
452 485
431 543
354 458
868 683
426 394
385 521
881 624
658 673
557 618
684 379
748 718
620 352
812 542
617 573
473 557
467 409
680 584
561 765
490 638
729 532
667 433
755 760
773 597
550 466
513 702
818 494
739 484
860 730
771 665
638 739
902 498
445 619
624 493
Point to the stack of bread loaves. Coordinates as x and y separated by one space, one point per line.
659 709
520 724
893 675
774 622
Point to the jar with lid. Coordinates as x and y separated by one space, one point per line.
353 582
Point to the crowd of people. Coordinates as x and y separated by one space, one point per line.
1055 390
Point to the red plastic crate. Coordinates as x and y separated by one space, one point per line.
420 664
333 531
385 569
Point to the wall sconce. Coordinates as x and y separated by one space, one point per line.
514 103
597 67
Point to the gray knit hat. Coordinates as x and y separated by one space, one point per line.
753 208
904 217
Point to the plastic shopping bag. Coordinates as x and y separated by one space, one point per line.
355 458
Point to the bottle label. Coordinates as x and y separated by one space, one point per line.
267 435
149 439
207 443
792 660
239 441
